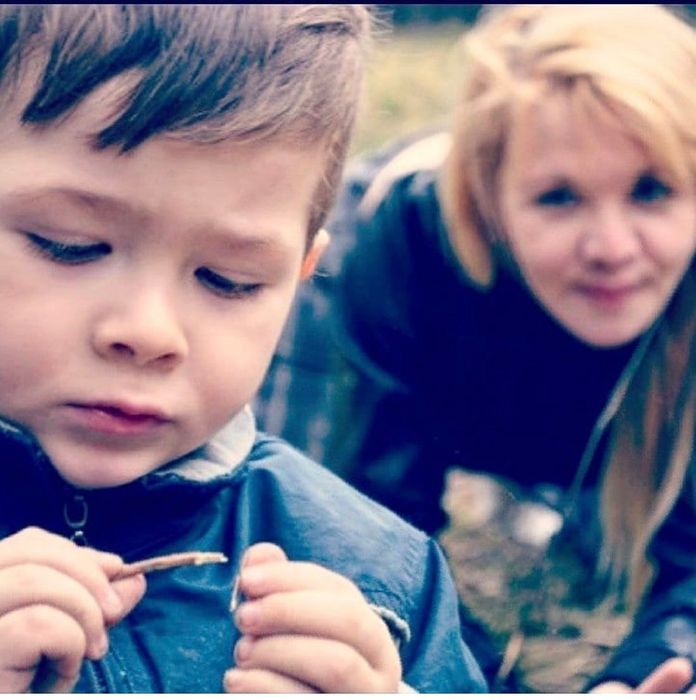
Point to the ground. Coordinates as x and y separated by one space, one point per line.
543 609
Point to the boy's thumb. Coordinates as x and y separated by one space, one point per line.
130 590
263 553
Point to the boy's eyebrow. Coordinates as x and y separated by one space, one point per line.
79 197
232 236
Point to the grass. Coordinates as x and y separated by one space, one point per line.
411 82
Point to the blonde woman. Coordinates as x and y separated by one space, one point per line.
523 303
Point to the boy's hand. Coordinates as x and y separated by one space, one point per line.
56 602
307 629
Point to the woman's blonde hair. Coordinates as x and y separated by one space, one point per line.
634 66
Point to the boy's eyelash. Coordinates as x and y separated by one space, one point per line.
77 254
224 287
66 253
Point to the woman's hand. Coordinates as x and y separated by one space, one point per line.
672 676
56 603
307 629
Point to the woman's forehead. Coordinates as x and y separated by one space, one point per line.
585 119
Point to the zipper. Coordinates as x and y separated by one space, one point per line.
75 514
98 676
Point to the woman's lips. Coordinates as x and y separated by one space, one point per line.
609 295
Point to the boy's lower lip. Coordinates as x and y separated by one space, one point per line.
111 421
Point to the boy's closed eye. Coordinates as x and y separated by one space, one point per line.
80 253
225 287
67 253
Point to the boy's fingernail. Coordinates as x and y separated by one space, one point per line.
100 647
251 576
242 650
113 605
248 616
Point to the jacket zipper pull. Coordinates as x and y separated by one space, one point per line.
75 514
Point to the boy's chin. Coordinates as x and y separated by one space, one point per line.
84 472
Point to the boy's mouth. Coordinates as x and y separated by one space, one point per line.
116 419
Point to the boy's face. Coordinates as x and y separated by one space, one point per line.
142 295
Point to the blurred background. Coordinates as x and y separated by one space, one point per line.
413 78
545 613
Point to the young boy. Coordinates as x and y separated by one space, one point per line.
164 173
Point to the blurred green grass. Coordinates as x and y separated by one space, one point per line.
411 83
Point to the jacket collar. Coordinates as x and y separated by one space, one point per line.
134 519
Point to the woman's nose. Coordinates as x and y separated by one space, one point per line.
611 239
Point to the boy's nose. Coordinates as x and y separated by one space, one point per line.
142 331
611 239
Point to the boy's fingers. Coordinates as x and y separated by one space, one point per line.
82 564
260 681
109 563
321 614
130 591
330 666
33 585
262 553
284 576
45 647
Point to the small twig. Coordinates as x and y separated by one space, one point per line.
169 561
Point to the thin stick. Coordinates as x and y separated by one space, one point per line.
169 561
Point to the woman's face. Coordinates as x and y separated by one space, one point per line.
600 236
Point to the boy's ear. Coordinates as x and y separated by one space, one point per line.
319 245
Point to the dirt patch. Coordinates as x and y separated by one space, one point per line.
540 603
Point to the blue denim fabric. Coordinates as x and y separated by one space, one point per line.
180 636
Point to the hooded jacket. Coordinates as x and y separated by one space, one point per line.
239 489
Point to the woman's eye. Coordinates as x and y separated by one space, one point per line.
649 188
558 197
68 253
225 287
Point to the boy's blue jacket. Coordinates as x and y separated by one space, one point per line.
225 497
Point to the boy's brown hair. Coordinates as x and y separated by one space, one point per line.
205 73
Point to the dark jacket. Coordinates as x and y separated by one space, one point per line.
180 637
443 374
440 374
